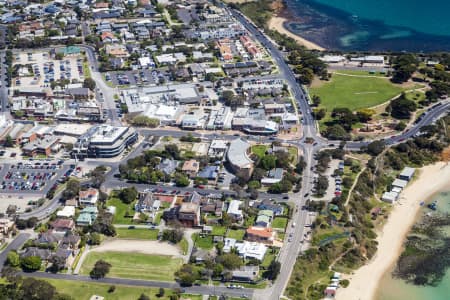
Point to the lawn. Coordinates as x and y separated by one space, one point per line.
184 245
121 209
355 92
237 234
293 154
84 290
137 233
259 150
203 242
134 265
279 223
219 230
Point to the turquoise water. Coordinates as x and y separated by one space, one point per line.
394 289
393 25
429 17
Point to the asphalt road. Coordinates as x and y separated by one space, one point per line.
3 82
204 289
17 243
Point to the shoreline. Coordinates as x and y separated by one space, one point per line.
365 281
278 23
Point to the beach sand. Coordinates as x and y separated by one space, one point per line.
364 282
276 23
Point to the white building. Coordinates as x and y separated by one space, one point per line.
389 197
251 250
66 212
234 211
407 173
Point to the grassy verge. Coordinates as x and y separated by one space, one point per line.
137 233
184 245
85 290
134 265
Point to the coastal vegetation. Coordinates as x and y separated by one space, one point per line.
345 233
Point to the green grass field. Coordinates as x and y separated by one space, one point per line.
137 233
79 290
355 92
237 234
259 150
279 223
121 208
134 265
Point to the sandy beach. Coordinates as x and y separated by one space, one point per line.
276 23
364 282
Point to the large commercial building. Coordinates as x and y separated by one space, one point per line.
104 141
238 158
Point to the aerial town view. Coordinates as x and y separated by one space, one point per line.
235 149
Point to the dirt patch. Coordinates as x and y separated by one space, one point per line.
144 247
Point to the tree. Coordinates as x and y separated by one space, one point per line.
376 147
98 176
57 263
319 113
173 235
34 289
145 121
273 270
72 189
401 108
230 261
13 259
365 114
111 289
227 97
31 263
181 180
268 162
143 297
101 268
187 275
128 195
172 150
316 100
306 75
337 132
94 238
89 83
161 292
9 141
400 126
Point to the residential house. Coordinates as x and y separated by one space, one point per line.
215 208
167 166
62 225
234 211
251 250
264 218
267 204
273 176
260 234
189 214
87 216
44 254
228 245
190 168
245 274
5 226
88 197
66 212
147 203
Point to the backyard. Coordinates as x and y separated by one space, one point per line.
134 265
237 234
121 211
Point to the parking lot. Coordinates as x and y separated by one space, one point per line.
134 78
39 70
30 177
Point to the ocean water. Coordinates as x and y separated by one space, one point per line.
395 289
393 25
